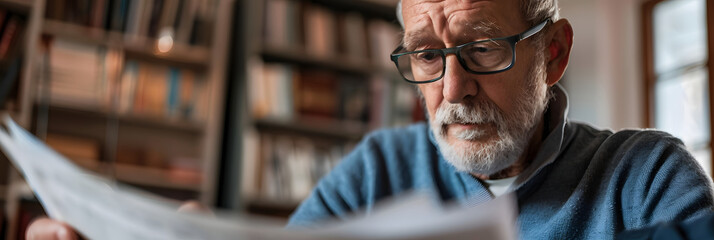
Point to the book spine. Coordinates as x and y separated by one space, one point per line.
174 90
128 86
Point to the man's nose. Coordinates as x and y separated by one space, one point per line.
459 84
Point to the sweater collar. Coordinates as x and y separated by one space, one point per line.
552 145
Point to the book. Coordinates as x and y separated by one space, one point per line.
119 15
135 17
168 15
353 99
257 93
275 27
152 89
185 21
405 101
98 14
144 19
154 21
190 20
320 39
381 104
289 166
130 76
202 33
272 90
186 102
201 99
84 151
316 94
75 74
384 38
12 36
353 37
172 97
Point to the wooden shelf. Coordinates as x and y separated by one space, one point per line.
130 118
300 57
144 176
296 56
322 127
195 57
154 177
377 8
17 5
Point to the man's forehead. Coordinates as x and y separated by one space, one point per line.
456 21
473 30
487 18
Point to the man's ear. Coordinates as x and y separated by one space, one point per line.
558 46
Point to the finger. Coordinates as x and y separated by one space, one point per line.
195 207
48 229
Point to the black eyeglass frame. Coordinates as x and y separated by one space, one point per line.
512 40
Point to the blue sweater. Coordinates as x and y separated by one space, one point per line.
583 182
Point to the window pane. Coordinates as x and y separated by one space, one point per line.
704 157
679 34
682 105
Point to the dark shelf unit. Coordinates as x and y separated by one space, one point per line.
326 128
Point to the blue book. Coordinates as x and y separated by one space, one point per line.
174 91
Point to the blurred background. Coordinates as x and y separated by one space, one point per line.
244 105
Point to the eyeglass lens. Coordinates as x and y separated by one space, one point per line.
427 65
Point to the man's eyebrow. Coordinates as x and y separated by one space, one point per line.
479 29
416 38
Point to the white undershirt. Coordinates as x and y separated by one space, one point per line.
499 187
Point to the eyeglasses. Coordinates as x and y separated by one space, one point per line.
480 57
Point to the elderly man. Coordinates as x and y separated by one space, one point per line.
488 73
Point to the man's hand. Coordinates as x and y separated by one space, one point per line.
195 207
50 229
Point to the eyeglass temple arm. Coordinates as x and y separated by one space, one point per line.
533 31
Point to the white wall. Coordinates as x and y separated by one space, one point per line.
604 77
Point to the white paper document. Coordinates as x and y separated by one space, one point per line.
100 208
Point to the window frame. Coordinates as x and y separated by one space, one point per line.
650 76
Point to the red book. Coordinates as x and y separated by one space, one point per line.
8 35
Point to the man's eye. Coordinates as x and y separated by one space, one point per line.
426 56
482 49
486 47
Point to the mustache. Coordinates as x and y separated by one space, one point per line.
478 113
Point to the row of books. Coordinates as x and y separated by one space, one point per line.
188 21
289 167
161 90
395 103
94 77
321 32
89 153
281 91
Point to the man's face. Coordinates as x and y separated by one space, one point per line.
482 123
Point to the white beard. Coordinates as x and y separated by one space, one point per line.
493 153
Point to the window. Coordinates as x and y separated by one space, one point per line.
677 76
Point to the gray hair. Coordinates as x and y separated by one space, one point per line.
534 11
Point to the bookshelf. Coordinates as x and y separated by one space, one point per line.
131 89
316 79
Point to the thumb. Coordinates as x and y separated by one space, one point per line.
194 207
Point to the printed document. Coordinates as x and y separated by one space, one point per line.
101 208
